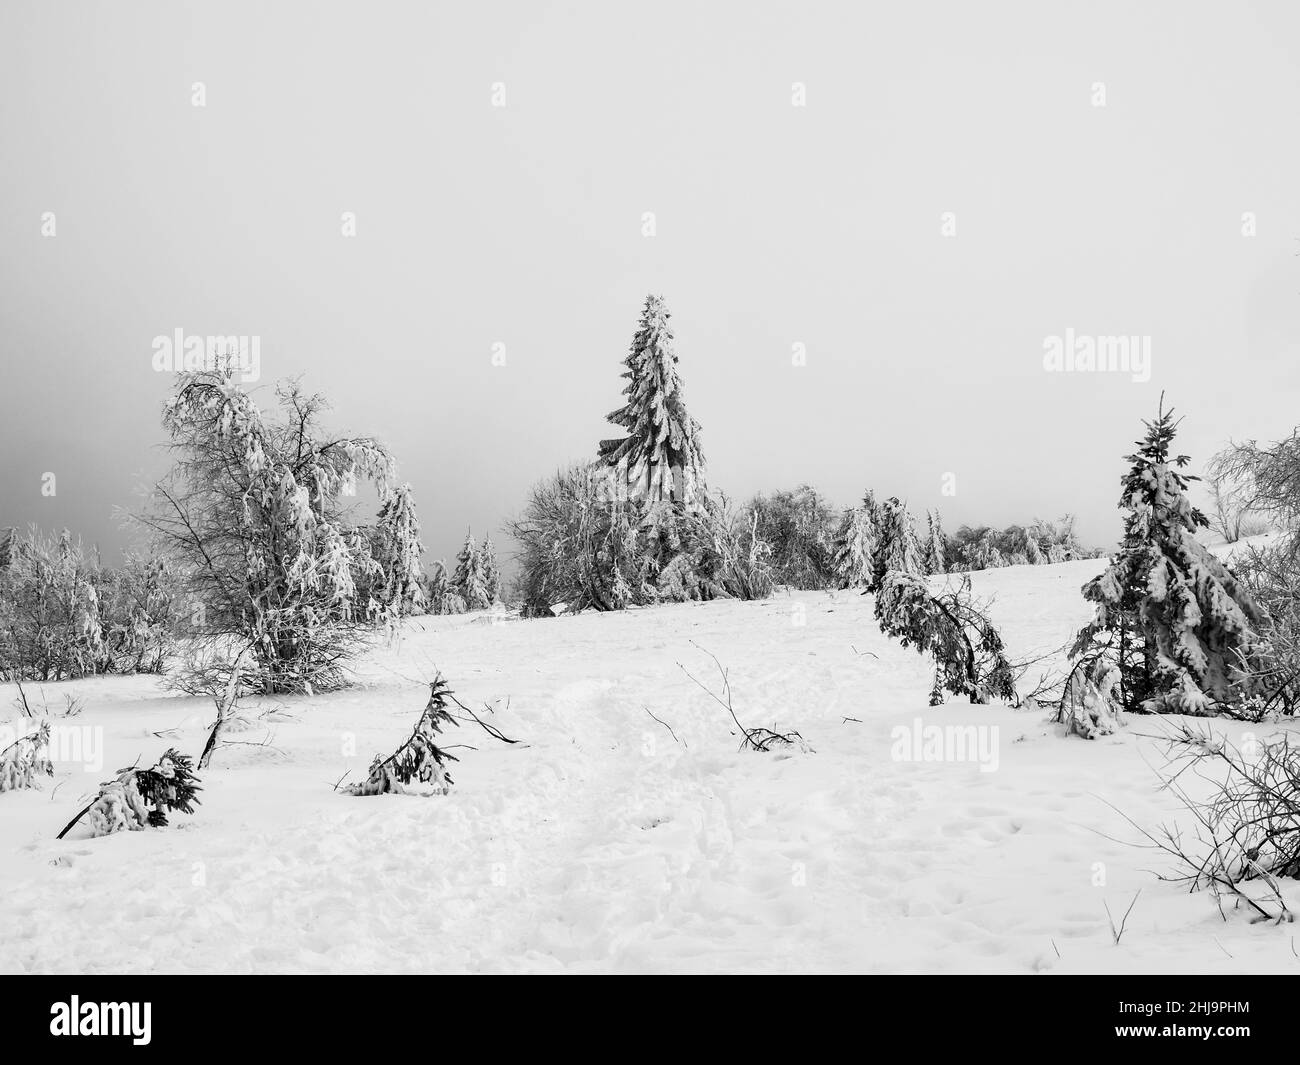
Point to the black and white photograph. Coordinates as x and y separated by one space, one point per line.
605 489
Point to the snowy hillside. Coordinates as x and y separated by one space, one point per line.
600 842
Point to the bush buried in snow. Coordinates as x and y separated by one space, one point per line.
141 798
24 759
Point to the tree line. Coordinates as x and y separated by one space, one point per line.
255 557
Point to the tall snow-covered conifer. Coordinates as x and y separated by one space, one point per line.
491 570
936 544
898 548
441 595
855 544
397 549
468 581
660 457
1178 624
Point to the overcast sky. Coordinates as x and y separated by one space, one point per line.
776 225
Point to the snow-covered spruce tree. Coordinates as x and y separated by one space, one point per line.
855 544
936 560
1170 616
419 759
470 582
967 649
638 526
396 547
491 570
253 514
897 546
440 595
660 456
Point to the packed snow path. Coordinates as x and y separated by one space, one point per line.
601 843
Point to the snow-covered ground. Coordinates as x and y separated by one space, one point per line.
599 843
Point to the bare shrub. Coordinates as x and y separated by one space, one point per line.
1246 835
1250 483
1271 574
753 739
1261 483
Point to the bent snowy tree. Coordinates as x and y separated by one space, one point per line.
141 798
967 649
419 759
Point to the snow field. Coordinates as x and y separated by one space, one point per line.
600 843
